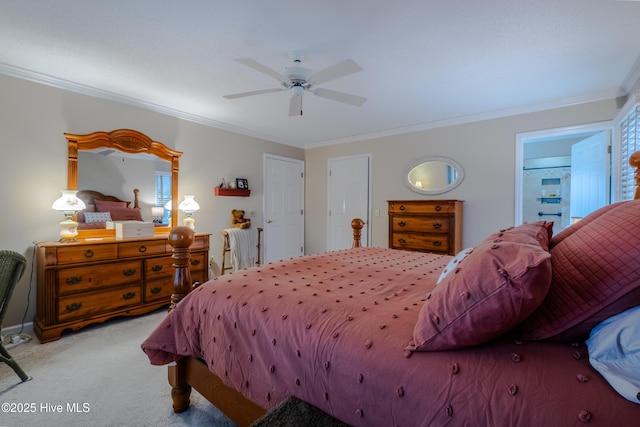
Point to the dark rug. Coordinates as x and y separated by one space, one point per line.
293 412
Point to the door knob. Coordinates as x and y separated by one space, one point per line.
269 221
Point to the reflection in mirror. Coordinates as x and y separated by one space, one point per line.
434 175
116 165
117 173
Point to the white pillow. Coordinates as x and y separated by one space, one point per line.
614 351
454 263
97 216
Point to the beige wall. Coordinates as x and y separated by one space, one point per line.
485 149
33 118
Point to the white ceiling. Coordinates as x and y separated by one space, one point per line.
425 63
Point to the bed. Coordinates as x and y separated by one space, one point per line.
526 328
101 208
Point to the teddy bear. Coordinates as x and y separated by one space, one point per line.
238 220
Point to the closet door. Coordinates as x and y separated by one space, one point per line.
348 197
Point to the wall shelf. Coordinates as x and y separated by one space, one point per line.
554 200
232 192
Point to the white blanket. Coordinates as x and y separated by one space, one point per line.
243 244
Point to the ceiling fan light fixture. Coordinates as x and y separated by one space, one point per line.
297 90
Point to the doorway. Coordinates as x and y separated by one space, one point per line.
544 173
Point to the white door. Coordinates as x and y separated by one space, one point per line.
590 163
283 208
348 198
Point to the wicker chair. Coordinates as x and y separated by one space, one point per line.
12 265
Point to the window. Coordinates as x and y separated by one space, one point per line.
629 143
163 192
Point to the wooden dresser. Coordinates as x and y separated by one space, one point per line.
90 281
426 225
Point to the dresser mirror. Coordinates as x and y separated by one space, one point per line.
434 175
142 155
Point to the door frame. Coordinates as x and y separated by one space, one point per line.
526 137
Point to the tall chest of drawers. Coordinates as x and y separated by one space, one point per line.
90 281
426 225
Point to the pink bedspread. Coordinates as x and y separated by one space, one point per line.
331 329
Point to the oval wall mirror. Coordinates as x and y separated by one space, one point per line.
434 175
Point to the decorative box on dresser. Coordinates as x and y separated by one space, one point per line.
90 281
426 225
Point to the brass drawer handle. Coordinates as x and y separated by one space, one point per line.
155 290
156 268
401 224
74 280
195 262
74 306
142 249
437 243
437 225
438 208
401 207
129 295
402 241
129 272
88 253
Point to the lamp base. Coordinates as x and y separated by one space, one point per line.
190 222
68 231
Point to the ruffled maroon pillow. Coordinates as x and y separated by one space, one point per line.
494 288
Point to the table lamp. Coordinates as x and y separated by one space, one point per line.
188 206
68 203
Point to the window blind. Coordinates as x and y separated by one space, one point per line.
629 143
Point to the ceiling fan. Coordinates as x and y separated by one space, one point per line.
299 79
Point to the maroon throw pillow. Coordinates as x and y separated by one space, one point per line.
533 233
126 214
596 273
492 290
108 206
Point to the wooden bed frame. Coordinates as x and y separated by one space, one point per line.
88 197
190 372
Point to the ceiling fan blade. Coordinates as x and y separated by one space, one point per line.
295 106
260 67
339 96
341 69
251 93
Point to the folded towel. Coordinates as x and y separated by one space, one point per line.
243 244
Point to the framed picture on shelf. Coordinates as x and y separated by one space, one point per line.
242 184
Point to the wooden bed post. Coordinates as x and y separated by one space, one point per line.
180 238
356 225
634 161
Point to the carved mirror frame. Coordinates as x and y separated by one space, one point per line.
128 141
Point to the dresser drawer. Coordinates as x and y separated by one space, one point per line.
197 262
158 268
158 289
141 248
91 303
72 254
420 224
420 242
420 207
78 279
200 242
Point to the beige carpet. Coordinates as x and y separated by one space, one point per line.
97 376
